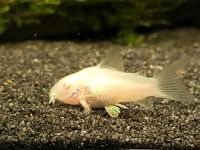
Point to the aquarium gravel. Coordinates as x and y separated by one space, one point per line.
30 68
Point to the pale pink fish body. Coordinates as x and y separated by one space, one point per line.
111 86
107 85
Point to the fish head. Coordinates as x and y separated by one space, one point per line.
64 91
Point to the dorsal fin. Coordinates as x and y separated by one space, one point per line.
113 60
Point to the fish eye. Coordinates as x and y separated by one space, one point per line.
65 86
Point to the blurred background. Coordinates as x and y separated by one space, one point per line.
124 21
44 40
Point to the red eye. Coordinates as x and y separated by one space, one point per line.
65 86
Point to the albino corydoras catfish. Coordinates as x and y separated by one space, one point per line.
107 85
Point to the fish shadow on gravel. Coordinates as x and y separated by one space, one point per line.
100 144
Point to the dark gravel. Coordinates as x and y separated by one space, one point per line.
29 69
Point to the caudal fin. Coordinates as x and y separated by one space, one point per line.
170 84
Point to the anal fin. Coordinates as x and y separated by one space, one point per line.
146 104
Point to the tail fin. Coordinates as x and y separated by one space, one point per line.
170 84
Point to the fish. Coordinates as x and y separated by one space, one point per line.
107 85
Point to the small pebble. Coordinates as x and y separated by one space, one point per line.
24 129
22 123
11 104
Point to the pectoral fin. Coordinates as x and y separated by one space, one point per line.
113 111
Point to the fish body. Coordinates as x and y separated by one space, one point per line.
107 85
110 86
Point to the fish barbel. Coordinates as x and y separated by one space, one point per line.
106 85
